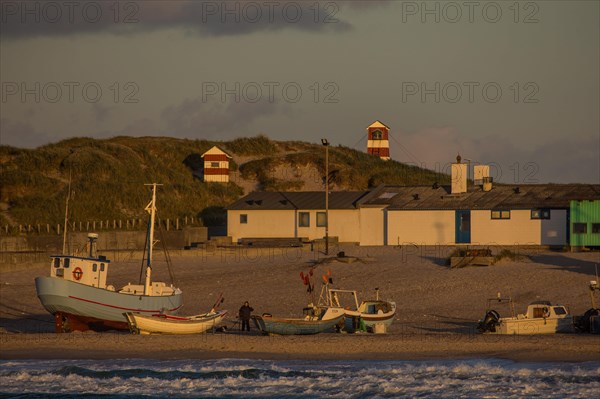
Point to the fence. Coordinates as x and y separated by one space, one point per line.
102 225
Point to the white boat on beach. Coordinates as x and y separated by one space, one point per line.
77 293
541 318
168 324
375 315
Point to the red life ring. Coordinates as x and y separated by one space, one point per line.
77 273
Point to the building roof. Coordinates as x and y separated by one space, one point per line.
526 196
262 200
215 151
378 124
434 197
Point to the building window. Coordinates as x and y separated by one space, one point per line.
579 228
303 219
595 228
377 135
321 219
540 213
500 214
214 164
67 263
94 268
243 218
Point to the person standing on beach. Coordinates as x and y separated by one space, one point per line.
245 313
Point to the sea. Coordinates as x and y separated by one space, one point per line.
238 378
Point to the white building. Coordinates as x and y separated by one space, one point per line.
421 215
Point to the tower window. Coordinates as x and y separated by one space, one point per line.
377 135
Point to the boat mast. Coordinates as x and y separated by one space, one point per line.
151 209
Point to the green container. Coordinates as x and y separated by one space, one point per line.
584 226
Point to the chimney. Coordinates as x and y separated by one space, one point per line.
459 177
482 177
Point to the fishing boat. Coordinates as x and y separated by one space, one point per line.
374 315
541 318
169 324
77 293
317 320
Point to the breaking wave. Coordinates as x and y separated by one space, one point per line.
479 378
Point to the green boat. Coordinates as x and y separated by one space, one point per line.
317 321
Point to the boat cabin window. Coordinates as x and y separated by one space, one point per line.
57 262
94 267
540 312
66 263
560 310
101 267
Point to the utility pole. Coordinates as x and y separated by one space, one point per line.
326 145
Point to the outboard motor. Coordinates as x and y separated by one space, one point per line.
489 322
584 323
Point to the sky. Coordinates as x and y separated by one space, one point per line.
512 84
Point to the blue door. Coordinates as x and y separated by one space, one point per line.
463 227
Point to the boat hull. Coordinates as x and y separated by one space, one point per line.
280 326
162 324
80 307
534 326
370 320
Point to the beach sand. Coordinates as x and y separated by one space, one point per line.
437 307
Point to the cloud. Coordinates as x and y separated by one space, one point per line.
100 112
24 19
20 134
575 160
195 118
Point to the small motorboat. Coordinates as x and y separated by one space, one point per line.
374 315
169 324
317 320
541 318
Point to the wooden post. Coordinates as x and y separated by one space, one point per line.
120 224
177 224
94 225
87 226
58 229
168 224
47 228
185 222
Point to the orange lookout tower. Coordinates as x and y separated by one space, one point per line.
378 140
216 165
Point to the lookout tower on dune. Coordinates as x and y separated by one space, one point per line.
378 143
216 165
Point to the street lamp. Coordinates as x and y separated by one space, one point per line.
326 145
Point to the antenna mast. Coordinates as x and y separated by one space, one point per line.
64 250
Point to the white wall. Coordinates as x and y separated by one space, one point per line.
343 223
371 227
421 227
261 224
520 229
